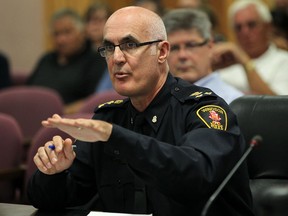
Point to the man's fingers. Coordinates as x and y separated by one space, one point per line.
42 159
69 152
58 143
38 162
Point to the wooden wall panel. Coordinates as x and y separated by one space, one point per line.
220 8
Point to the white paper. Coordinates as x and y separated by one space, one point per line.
93 213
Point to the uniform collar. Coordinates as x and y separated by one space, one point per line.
156 110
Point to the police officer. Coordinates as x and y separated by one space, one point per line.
164 150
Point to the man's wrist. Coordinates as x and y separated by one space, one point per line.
249 66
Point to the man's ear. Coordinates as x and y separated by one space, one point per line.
164 49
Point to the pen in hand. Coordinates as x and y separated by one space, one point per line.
52 146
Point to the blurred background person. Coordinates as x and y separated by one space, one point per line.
153 5
95 18
189 3
73 69
189 33
204 6
254 65
5 77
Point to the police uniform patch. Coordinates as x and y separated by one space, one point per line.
213 116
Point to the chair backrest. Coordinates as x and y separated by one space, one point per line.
42 136
29 106
11 139
266 116
99 98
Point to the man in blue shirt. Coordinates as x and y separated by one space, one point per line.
189 32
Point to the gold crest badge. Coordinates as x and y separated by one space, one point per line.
213 116
111 102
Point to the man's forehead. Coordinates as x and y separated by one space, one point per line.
120 38
123 31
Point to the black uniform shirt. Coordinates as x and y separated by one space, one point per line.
75 80
191 141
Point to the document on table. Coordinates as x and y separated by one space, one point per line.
93 213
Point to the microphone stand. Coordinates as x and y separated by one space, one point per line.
255 140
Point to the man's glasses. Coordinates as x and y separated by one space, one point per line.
250 25
189 46
126 47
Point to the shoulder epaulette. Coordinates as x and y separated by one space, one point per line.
191 92
198 94
112 104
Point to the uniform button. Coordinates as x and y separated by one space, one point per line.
176 89
116 152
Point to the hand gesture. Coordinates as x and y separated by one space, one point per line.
88 130
52 161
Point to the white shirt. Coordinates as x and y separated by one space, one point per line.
272 67
218 86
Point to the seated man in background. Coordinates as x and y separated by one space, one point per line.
73 69
204 6
189 33
162 151
258 66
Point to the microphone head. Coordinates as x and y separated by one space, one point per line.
256 140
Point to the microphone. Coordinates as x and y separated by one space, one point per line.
257 139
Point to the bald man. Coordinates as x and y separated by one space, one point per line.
162 151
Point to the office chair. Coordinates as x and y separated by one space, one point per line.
11 139
266 116
19 77
99 98
29 106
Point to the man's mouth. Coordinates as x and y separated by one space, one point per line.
120 75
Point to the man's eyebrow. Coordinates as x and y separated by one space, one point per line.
123 40
129 38
106 42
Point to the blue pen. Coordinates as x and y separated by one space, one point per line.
52 146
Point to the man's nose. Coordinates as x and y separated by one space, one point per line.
118 55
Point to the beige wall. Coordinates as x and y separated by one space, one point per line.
21 32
